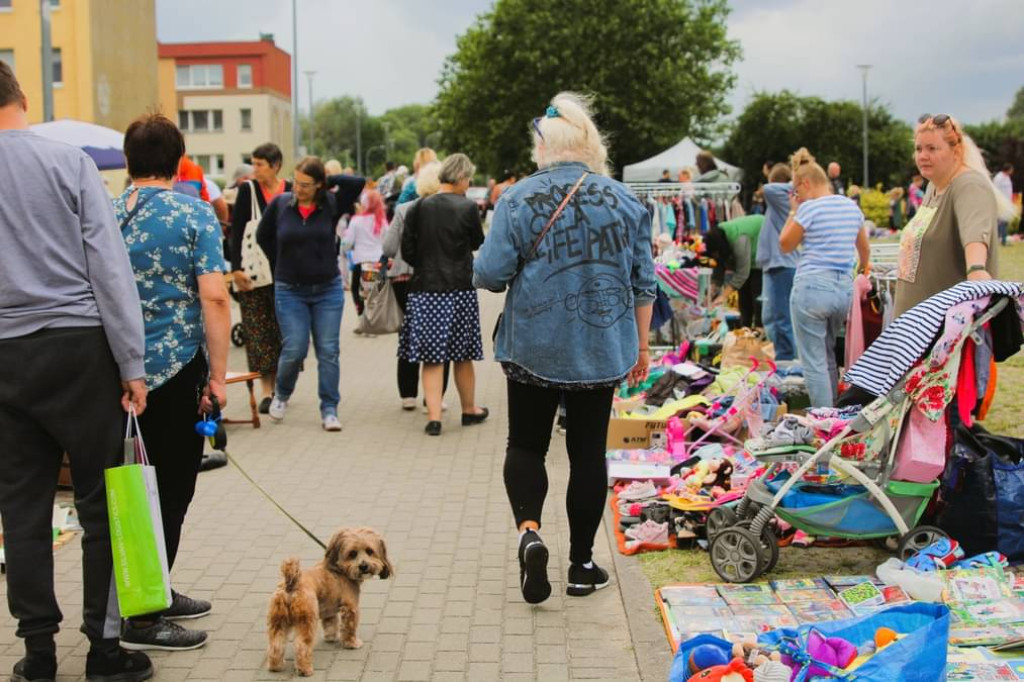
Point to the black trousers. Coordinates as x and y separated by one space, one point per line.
531 412
750 303
174 447
409 372
355 284
59 392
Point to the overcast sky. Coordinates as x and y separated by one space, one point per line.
934 56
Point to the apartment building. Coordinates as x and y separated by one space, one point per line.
228 98
104 57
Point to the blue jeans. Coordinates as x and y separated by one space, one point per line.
819 305
778 284
302 309
1001 226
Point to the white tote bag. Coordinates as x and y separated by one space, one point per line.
255 263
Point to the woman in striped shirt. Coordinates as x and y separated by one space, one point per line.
831 229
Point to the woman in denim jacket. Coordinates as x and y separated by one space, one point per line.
576 322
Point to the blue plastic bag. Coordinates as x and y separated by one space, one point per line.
680 671
1009 480
918 656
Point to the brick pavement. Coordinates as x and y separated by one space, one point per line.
453 610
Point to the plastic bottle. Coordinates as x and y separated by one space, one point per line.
920 586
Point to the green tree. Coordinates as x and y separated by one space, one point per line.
659 70
1016 110
1001 143
774 125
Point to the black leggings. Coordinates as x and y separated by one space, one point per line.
531 412
355 284
750 305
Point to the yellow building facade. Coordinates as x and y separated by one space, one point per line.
105 54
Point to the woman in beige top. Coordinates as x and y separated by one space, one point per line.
952 237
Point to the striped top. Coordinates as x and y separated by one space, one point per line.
831 225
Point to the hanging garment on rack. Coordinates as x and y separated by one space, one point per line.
704 226
670 219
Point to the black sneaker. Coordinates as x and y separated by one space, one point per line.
184 608
264 407
122 666
35 668
533 568
162 635
583 581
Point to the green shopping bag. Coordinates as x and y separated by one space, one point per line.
137 530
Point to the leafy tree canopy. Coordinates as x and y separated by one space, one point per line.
1016 110
659 70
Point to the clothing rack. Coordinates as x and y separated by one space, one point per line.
710 190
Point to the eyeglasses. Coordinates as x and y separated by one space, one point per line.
536 127
304 185
940 121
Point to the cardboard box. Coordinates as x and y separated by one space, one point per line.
637 471
629 434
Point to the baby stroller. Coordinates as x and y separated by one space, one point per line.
859 500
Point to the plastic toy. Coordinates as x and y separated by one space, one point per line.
941 554
735 671
706 656
833 651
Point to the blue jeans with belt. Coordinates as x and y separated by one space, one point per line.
304 309
819 304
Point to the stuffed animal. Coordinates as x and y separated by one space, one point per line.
834 651
766 668
706 656
735 671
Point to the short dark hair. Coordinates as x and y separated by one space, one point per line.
665 172
1007 167
389 165
153 147
314 168
706 162
269 152
10 91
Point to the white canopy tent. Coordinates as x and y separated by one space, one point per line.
682 155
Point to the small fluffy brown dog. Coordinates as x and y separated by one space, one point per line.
327 593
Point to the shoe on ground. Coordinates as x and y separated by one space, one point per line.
649 531
331 423
802 539
637 491
408 404
424 410
264 407
533 568
433 428
122 666
583 581
277 408
162 635
186 608
475 417
35 668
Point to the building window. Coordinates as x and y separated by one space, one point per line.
201 121
58 67
7 57
246 119
55 4
200 76
245 76
212 164
183 120
218 120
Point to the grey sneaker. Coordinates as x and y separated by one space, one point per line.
278 408
331 423
162 635
185 608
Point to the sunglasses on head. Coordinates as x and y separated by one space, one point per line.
940 121
536 127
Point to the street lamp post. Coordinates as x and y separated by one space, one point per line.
864 72
359 137
312 124
47 57
296 131
370 151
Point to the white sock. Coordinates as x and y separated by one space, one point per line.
588 565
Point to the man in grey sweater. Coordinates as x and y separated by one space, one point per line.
71 363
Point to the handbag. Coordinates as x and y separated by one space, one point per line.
521 262
741 345
137 530
255 263
381 312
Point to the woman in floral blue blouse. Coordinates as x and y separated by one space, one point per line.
173 242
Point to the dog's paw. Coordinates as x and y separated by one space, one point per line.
353 643
304 672
275 667
331 637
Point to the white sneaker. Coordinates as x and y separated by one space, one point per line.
408 403
331 423
277 409
636 491
444 407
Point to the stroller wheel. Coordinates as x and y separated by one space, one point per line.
237 335
917 539
769 542
719 519
737 556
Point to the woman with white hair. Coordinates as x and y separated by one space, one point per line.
442 322
954 232
573 248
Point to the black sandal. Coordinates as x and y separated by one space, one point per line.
478 418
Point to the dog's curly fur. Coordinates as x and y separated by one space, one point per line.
328 593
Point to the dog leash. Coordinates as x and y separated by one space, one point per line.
275 502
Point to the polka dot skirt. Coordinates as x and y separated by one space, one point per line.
441 327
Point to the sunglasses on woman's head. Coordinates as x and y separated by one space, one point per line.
940 121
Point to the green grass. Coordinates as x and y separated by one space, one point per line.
676 566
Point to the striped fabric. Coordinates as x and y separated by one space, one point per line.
678 282
909 337
831 225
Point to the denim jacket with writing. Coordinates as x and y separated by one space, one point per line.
569 315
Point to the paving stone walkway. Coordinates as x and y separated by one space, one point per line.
453 610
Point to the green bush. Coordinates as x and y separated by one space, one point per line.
875 206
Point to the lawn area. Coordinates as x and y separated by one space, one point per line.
1005 418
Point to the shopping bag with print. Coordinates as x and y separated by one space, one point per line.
137 530
381 312
741 345
254 263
